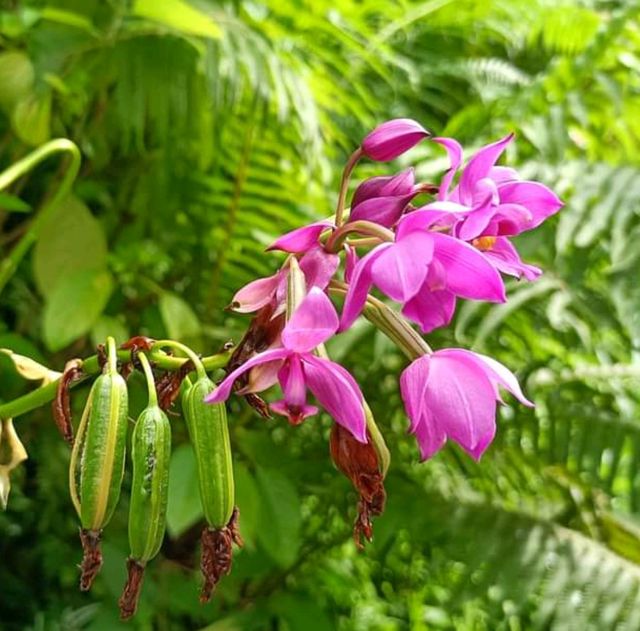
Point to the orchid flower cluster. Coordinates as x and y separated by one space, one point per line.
421 257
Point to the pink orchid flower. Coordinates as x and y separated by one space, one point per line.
312 323
491 203
413 263
393 138
453 394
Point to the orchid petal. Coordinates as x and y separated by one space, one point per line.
430 436
505 258
400 271
480 165
454 151
384 186
393 138
469 273
430 309
500 175
301 239
541 201
423 219
462 399
338 393
318 267
413 385
262 377
312 323
222 392
256 294
284 409
359 286
350 262
381 210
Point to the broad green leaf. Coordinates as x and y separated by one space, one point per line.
32 117
16 77
179 319
248 502
74 306
109 326
72 239
183 508
179 15
280 517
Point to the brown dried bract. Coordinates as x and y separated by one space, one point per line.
263 331
359 463
138 343
92 557
61 404
168 386
128 602
217 551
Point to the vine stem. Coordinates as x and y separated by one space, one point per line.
337 238
60 145
192 355
90 366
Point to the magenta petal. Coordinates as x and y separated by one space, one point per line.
318 267
503 174
430 309
454 151
479 167
384 186
497 373
462 399
505 258
293 383
510 219
338 393
426 217
537 198
413 386
430 436
475 222
262 377
401 269
359 286
381 210
391 139
301 239
350 262
469 273
256 294
311 324
222 392
294 415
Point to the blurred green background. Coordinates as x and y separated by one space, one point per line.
208 128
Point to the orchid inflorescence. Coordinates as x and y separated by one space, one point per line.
423 258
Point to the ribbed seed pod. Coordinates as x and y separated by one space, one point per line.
209 434
97 462
207 425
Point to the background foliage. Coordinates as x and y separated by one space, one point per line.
207 128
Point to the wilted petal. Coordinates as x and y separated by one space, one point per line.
401 269
454 151
312 323
462 399
392 139
359 286
537 198
381 210
222 392
479 167
430 309
469 273
505 258
318 267
301 239
256 294
338 393
384 186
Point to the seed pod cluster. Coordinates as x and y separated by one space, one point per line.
97 462
209 434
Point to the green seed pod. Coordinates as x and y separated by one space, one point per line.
150 452
97 461
207 425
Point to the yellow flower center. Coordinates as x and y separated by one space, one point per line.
484 243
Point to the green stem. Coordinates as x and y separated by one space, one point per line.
90 366
192 355
335 241
112 352
151 382
344 184
391 323
60 145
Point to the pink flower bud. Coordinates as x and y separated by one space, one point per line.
391 139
